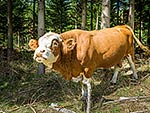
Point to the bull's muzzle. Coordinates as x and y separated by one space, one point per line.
39 56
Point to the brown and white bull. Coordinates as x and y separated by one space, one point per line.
78 53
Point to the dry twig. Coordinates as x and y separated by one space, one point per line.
14 109
32 109
127 99
140 111
60 108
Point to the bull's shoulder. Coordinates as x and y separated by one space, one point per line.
71 34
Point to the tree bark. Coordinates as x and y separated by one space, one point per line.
131 14
105 16
148 34
41 27
118 12
97 19
97 16
18 36
34 2
10 32
141 23
91 14
83 25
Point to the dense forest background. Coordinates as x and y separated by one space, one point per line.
64 15
22 90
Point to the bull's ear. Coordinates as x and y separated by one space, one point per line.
69 45
33 44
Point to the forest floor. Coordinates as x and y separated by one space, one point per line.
23 91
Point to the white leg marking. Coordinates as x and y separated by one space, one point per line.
114 78
129 58
84 93
77 79
89 90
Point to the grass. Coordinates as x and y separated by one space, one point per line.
23 91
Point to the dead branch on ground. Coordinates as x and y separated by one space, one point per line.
127 99
61 108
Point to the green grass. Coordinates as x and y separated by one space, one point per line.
23 91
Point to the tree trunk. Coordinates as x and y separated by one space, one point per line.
141 23
84 2
91 14
34 2
76 24
148 34
97 16
10 32
118 12
105 16
141 31
41 67
18 37
131 14
97 21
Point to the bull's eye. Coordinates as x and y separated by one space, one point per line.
55 43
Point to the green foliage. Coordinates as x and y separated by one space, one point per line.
22 90
57 12
119 12
3 22
3 16
22 21
64 15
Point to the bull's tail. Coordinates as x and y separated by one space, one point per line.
144 48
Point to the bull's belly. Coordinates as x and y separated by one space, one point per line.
109 61
109 64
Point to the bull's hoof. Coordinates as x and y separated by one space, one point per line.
112 84
133 79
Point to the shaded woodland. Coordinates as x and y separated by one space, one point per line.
29 87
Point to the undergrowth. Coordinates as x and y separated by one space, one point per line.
23 91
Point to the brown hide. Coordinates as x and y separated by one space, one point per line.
93 49
68 65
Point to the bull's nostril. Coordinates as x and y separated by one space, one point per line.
42 51
38 55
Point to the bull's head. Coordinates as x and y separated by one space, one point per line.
46 48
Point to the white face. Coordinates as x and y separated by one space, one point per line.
43 54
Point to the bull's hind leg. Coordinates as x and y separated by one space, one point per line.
114 78
132 65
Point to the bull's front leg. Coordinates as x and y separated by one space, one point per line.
86 90
86 94
83 96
